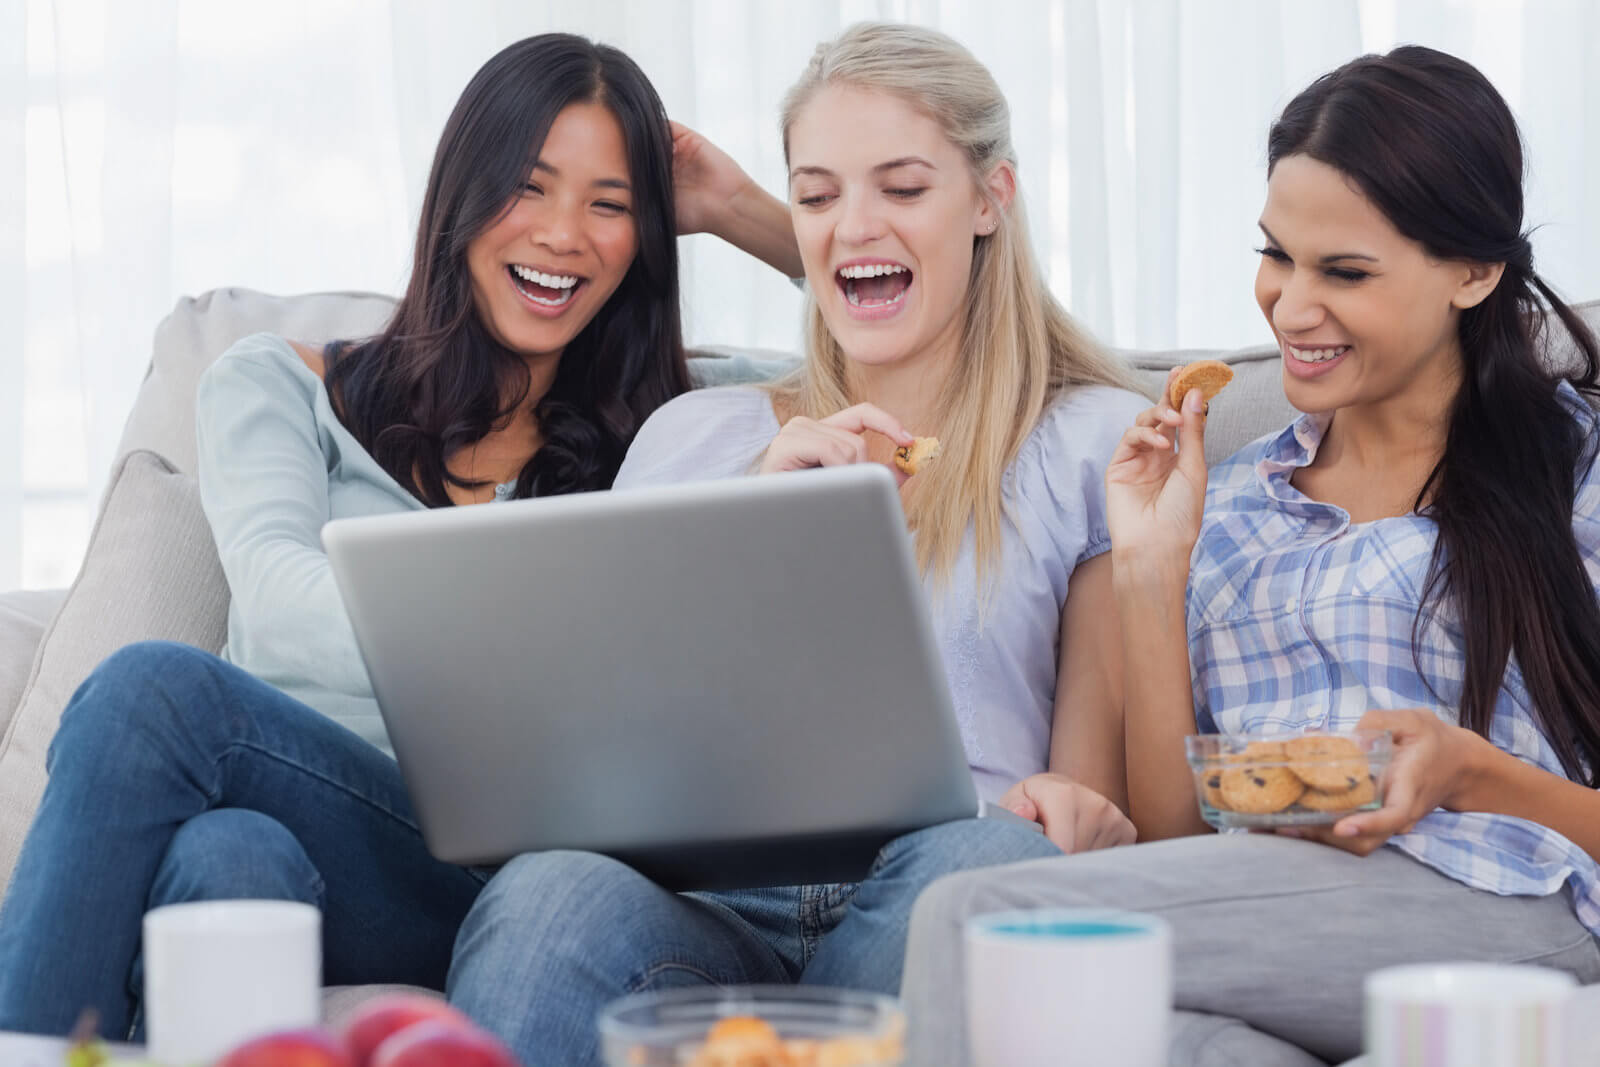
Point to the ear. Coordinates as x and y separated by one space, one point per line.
1001 186
1478 282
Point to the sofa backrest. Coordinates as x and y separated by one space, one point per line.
200 328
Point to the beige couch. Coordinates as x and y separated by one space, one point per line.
151 569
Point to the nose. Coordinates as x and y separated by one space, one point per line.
558 229
1297 308
859 223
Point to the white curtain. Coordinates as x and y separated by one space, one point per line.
166 147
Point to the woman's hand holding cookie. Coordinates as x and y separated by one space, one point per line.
835 441
1155 490
1429 767
1074 816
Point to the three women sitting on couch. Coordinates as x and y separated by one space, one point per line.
1424 538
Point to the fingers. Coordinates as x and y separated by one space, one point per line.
1014 796
1192 455
1140 440
865 417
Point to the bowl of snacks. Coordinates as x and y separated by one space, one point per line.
754 1026
1253 781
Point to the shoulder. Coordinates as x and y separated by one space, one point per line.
1080 426
705 433
265 360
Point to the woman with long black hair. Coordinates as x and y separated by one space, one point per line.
539 328
1419 552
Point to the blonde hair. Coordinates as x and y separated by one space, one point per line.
1019 349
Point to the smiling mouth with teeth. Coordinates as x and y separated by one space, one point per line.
1316 355
550 290
874 285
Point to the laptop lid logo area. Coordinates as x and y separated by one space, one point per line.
723 683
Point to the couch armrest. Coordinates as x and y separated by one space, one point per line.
24 614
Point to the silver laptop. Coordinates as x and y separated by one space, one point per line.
729 683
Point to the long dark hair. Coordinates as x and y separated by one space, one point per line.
435 379
1432 144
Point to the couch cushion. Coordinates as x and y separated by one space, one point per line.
151 572
24 614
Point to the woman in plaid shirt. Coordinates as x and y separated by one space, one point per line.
1419 552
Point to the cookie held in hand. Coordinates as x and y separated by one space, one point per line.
1206 375
910 458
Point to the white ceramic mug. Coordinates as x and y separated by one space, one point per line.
219 972
1467 1015
1060 987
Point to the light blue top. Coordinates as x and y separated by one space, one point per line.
275 464
1001 668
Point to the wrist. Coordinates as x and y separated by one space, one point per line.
730 217
1477 768
1149 569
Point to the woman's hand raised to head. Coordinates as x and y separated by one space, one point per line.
835 441
705 181
1074 817
712 194
1155 491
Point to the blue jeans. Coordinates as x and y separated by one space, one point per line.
176 776
556 935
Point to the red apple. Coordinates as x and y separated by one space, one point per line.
289 1048
381 1016
441 1044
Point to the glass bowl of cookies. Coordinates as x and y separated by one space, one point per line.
754 1026
1261 780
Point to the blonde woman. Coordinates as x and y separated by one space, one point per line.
927 315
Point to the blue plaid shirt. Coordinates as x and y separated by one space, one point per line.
1302 619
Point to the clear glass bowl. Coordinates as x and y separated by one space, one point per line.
814 1024
1261 780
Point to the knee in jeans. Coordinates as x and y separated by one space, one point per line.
122 694
233 853
965 844
558 889
948 901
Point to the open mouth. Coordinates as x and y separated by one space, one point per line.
874 287
1316 355
1312 361
546 290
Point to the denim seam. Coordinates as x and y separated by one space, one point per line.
335 784
643 981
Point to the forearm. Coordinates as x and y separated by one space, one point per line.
758 223
1496 781
1158 697
1086 732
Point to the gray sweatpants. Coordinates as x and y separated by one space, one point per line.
1271 936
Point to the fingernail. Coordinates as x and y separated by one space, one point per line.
1195 403
1346 831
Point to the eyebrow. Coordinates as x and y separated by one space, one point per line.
893 164
604 183
1336 257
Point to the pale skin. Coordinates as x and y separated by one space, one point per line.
894 190
1335 277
